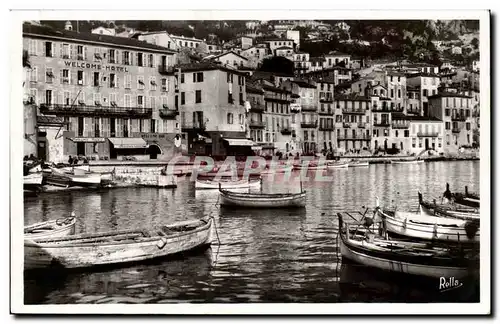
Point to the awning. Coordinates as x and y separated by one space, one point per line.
128 142
88 139
239 142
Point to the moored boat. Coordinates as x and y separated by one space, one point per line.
353 164
467 198
239 184
311 166
424 227
51 229
33 180
79 177
447 210
338 165
402 161
414 258
280 168
263 200
89 250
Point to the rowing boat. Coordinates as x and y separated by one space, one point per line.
354 164
78 177
239 184
262 200
50 229
310 167
447 210
338 165
280 168
419 259
89 250
33 180
424 227
467 198
413 161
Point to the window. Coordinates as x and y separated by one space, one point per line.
419 142
97 99
140 101
242 119
112 80
97 54
112 99
399 93
152 83
66 98
128 81
447 125
66 51
229 118
414 142
467 126
79 77
140 59
467 112
241 99
198 96
152 102
182 77
140 82
126 58
65 76
49 49
96 79
194 77
48 97
127 100
111 56
80 53
425 92
32 47
230 98
125 127
164 85
97 128
176 102
392 93
229 78
151 60
48 75
447 112
183 98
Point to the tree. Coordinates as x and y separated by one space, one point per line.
277 64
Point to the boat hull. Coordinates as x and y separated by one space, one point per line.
241 184
359 165
79 251
33 180
263 201
428 228
338 166
278 169
426 270
35 231
408 162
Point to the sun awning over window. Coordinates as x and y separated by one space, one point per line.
239 142
128 142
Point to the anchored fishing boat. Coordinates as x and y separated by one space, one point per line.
447 210
313 166
402 161
357 164
89 250
33 180
239 184
419 226
467 198
51 229
338 165
421 259
263 200
78 177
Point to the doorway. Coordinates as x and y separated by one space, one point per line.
42 150
426 143
80 149
153 151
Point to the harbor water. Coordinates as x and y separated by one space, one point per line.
263 255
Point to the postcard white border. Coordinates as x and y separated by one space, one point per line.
16 132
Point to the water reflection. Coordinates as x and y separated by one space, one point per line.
264 256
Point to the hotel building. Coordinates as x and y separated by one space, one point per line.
112 93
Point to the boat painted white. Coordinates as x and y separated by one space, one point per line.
310 167
239 184
426 227
260 200
87 250
80 177
442 211
83 167
341 165
358 164
277 169
399 266
407 161
33 179
50 229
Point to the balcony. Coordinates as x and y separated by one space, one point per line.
276 99
311 124
383 123
193 125
427 134
459 118
353 111
256 124
286 131
346 125
386 109
455 130
168 113
309 108
357 136
326 99
163 69
93 111
401 125
326 127
328 112
257 107
361 125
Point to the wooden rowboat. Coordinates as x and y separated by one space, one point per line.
424 227
79 177
447 210
310 167
467 198
414 161
338 165
277 169
358 164
51 229
419 259
88 250
33 180
261 200
239 184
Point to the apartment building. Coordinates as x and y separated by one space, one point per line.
301 62
415 134
256 124
355 133
428 84
111 93
327 114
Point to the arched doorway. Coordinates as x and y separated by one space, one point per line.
153 151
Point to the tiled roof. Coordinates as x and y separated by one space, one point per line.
48 32
230 52
337 53
254 88
275 89
324 80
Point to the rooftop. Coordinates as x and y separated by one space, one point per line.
230 52
49 32
304 84
254 88
284 48
337 53
352 97
414 75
